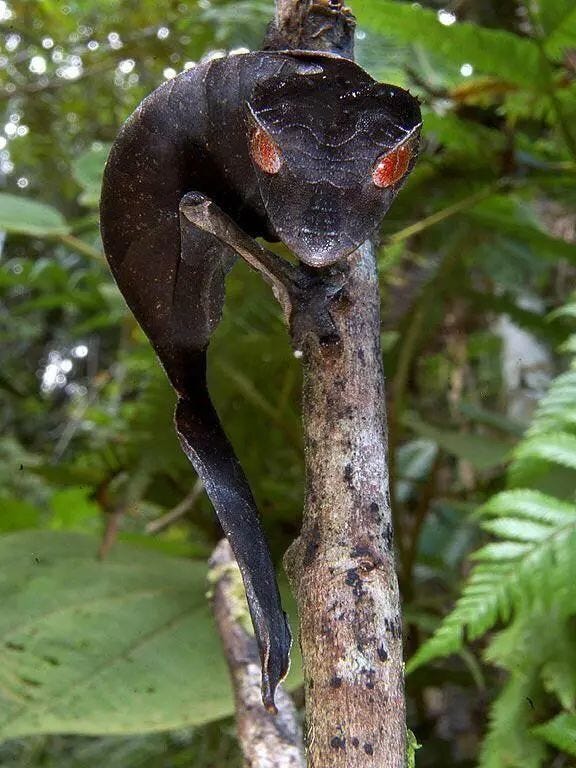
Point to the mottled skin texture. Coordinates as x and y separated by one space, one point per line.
331 123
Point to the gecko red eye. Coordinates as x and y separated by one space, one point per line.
391 168
265 152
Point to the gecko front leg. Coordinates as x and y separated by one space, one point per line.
305 295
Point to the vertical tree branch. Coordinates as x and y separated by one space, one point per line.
267 741
342 566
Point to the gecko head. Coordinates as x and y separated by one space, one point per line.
331 148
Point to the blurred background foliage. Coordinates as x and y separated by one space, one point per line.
478 261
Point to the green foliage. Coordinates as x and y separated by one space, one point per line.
477 265
27 217
526 581
494 52
120 631
560 732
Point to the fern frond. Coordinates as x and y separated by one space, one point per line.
508 742
536 552
558 448
530 505
557 409
560 733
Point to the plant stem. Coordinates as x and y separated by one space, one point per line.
81 246
443 214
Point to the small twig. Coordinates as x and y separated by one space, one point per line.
110 532
267 740
445 213
181 509
81 247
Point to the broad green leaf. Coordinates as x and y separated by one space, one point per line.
512 216
482 452
74 509
560 733
121 646
490 51
87 170
16 515
23 216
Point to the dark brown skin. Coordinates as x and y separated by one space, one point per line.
300 147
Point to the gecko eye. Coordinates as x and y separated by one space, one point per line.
265 152
391 168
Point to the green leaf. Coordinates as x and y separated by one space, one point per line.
560 733
490 51
72 508
559 448
122 646
16 515
511 215
532 505
562 37
88 170
482 452
22 216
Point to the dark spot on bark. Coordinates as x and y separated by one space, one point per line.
14 646
368 748
374 508
382 653
348 475
388 536
336 682
311 683
54 662
394 627
326 630
355 742
370 684
338 743
354 580
312 546
361 355
361 551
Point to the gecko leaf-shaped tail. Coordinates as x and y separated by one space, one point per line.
209 450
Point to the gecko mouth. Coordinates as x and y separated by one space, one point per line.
319 250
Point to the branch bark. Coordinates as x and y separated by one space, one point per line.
342 565
267 741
